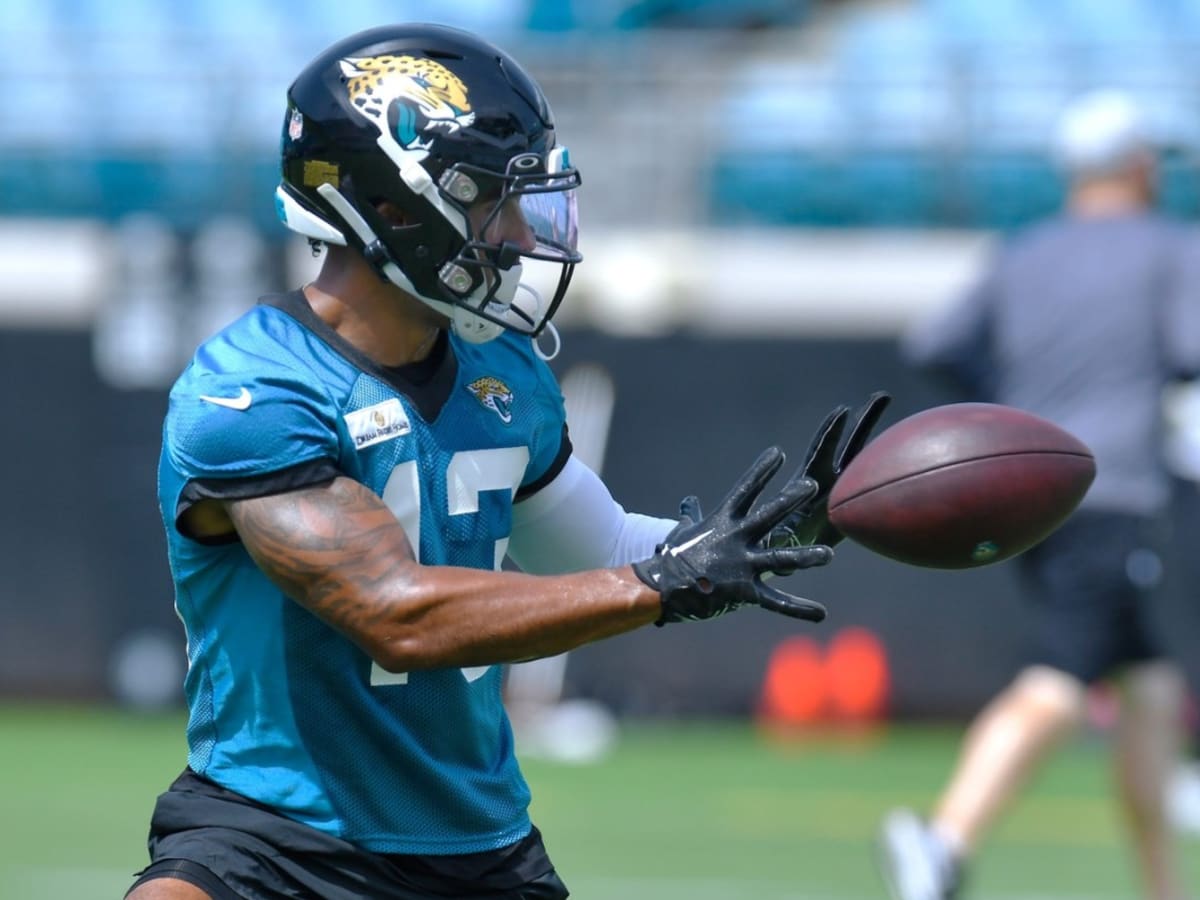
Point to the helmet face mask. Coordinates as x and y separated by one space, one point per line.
458 141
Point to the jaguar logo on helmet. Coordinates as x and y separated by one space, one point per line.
495 395
375 110
429 98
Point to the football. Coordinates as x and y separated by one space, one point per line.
961 485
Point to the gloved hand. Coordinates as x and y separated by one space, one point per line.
825 463
709 565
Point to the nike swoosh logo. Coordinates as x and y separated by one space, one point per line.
240 402
675 551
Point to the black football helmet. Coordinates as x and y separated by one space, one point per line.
449 130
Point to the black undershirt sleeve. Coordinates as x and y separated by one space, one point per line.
305 474
560 460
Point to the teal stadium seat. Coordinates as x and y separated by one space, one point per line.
1004 190
1179 185
711 13
897 188
780 188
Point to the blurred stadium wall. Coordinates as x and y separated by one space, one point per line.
772 190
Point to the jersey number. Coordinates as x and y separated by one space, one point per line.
470 472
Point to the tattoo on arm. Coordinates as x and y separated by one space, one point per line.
339 551
329 547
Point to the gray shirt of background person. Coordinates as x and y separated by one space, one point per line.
1082 321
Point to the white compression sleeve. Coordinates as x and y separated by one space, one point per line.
573 524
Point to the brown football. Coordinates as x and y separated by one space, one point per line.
961 485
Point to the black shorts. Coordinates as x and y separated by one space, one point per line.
199 829
1092 584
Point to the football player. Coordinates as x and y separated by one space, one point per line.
345 468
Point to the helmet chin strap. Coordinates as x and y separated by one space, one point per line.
476 329
473 329
521 305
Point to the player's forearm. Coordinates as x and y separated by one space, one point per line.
437 617
340 553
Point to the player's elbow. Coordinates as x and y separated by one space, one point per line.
408 626
413 647
398 653
399 627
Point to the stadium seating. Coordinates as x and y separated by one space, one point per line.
926 112
938 111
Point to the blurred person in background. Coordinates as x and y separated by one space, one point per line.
344 469
1082 320
1182 409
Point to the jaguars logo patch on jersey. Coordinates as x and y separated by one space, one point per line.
495 395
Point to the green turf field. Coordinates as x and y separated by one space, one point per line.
703 812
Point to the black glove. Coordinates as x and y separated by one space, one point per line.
709 565
825 463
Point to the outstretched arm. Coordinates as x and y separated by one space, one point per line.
340 552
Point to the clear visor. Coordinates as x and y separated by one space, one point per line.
534 212
552 218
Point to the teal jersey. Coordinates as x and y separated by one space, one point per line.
282 708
